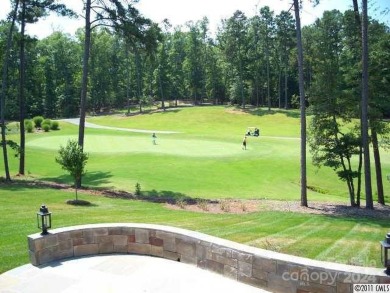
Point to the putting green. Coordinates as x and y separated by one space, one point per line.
144 144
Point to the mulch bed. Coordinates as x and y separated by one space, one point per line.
229 205
324 208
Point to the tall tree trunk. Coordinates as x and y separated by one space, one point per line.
138 73
356 12
21 91
359 182
280 88
360 166
127 49
285 89
241 84
303 106
268 77
161 91
374 136
257 92
364 119
4 90
378 170
84 82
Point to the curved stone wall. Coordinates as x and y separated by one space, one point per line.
265 269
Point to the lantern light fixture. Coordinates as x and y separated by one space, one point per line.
385 253
44 219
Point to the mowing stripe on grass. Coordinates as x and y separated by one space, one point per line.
340 244
364 251
291 235
255 235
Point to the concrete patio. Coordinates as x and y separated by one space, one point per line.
117 273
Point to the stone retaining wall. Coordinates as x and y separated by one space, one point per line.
265 269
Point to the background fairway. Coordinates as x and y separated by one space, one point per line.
216 122
204 159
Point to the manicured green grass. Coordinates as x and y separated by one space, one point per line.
217 122
203 160
345 240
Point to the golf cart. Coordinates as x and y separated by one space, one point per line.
253 131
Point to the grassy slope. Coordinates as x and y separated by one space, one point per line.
313 236
217 122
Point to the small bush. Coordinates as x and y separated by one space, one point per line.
138 189
46 127
46 121
28 125
203 204
55 125
225 206
38 121
181 203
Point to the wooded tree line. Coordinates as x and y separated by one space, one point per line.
249 61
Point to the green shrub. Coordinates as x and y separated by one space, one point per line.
46 127
28 125
38 121
46 121
55 125
138 189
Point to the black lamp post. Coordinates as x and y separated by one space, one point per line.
44 219
385 255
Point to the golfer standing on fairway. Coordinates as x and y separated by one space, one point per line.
154 137
244 143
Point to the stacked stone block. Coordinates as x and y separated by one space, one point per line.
269 270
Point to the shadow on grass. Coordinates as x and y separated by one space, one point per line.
170 197
80 203
156 111
97 178
293 113
94 179
380 215
20 185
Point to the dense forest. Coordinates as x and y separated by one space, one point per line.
248 61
